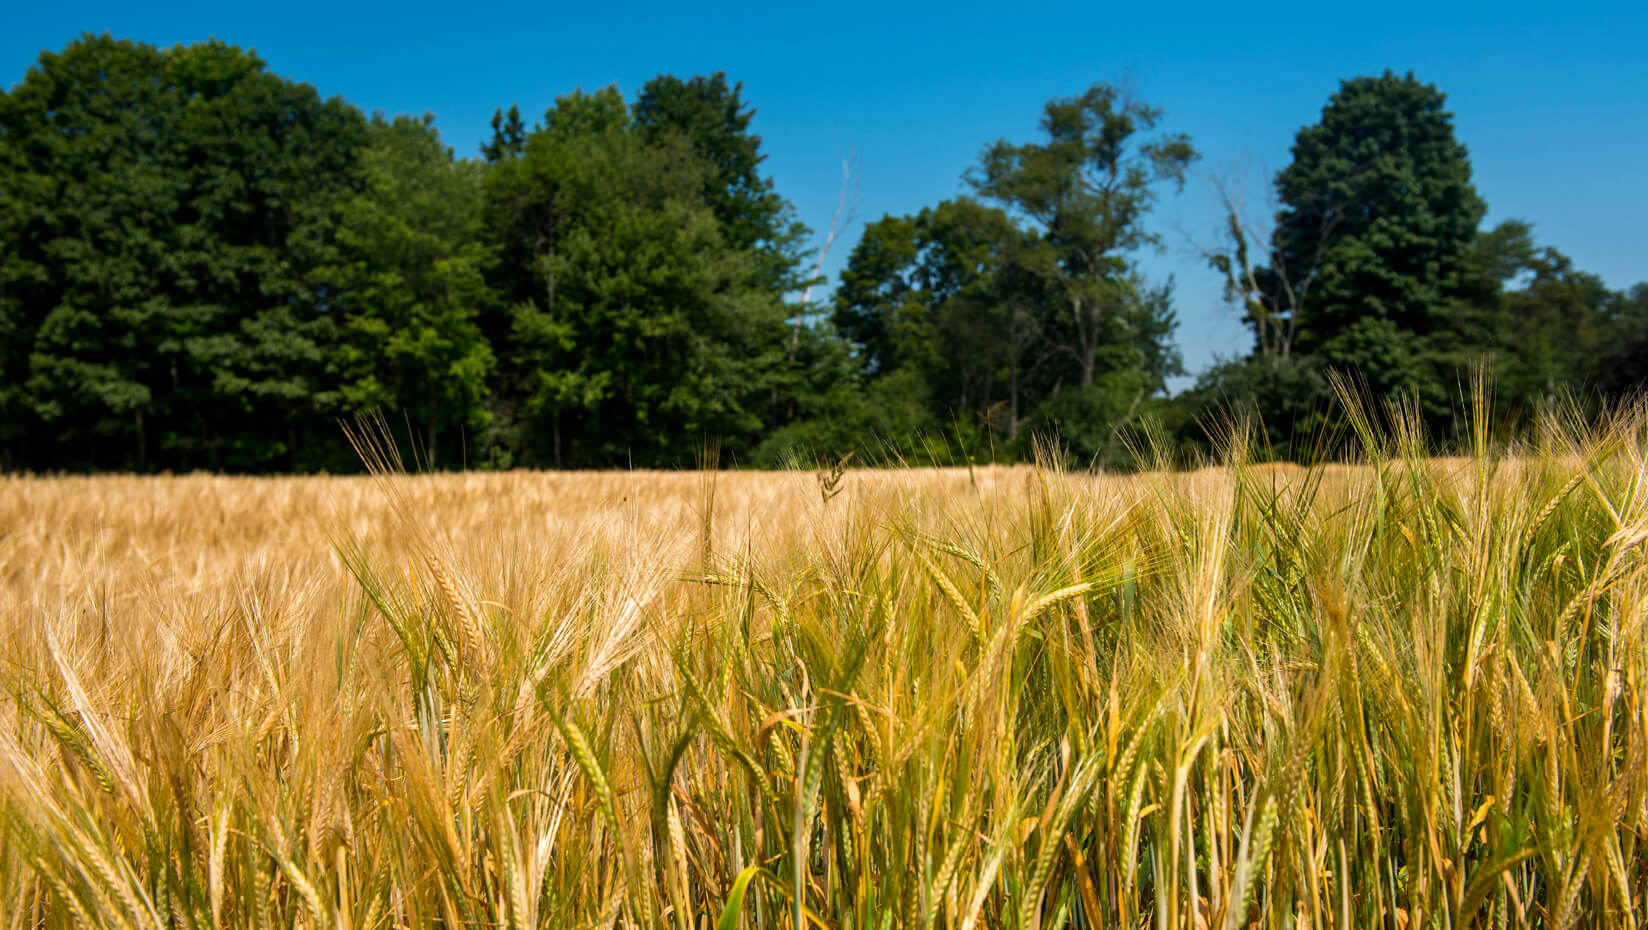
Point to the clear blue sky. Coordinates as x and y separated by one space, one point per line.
1551 99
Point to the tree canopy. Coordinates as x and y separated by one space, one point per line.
168 216
206 265
1027 308
1378 267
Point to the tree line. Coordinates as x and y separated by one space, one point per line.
204 265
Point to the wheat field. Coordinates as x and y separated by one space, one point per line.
1405 693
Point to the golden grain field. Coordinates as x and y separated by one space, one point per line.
1401 694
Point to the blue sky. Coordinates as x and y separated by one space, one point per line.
1551 99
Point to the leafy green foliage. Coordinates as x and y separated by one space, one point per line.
716 120
1625 367
168 213
204 265
415 285
1378 269
1382 177
996 312
635 329
1087 189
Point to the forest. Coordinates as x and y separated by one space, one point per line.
206 266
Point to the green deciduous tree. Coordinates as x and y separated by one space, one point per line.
168 213
927 296
944 299
88 202
1624 368
1088 188
713 116
636 328
1554 329
414 285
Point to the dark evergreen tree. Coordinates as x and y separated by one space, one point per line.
1383 180
508 136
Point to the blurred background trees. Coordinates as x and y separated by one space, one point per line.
169 218
1376 265
205 265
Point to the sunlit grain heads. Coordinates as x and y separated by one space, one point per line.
1406 693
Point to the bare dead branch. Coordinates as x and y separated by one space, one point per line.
846 208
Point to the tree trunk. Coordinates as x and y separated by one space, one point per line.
1013 398
434 428
1087 338
142 441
